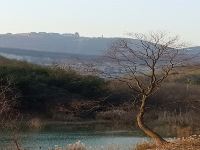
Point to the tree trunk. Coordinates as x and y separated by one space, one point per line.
17 144
156 137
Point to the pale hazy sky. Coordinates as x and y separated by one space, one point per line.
107 17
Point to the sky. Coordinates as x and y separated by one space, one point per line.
110 18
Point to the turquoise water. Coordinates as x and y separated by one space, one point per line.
62 135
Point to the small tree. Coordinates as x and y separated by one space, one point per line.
9 115
8 98
145 64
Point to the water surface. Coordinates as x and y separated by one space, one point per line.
94 135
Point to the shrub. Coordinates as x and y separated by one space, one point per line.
76 146
42 87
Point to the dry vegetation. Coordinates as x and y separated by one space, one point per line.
189 143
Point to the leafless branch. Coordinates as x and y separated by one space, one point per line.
148 63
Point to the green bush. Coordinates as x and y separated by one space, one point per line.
42 87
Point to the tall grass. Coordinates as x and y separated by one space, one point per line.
179 118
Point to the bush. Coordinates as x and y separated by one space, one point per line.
42 87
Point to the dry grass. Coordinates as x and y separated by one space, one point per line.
189 143
81 146
76 146
181 72
35 123
119 118
189 118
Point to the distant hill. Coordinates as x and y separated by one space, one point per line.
47 48
55 42
60 43
45 57
194 50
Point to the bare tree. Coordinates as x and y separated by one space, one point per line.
144 66
9 115
7 99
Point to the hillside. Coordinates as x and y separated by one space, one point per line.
55 42
41 89
62 43
45 57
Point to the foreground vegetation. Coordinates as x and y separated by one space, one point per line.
189 143
53 94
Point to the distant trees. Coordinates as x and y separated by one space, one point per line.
146 65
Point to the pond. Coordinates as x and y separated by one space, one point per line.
94 135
